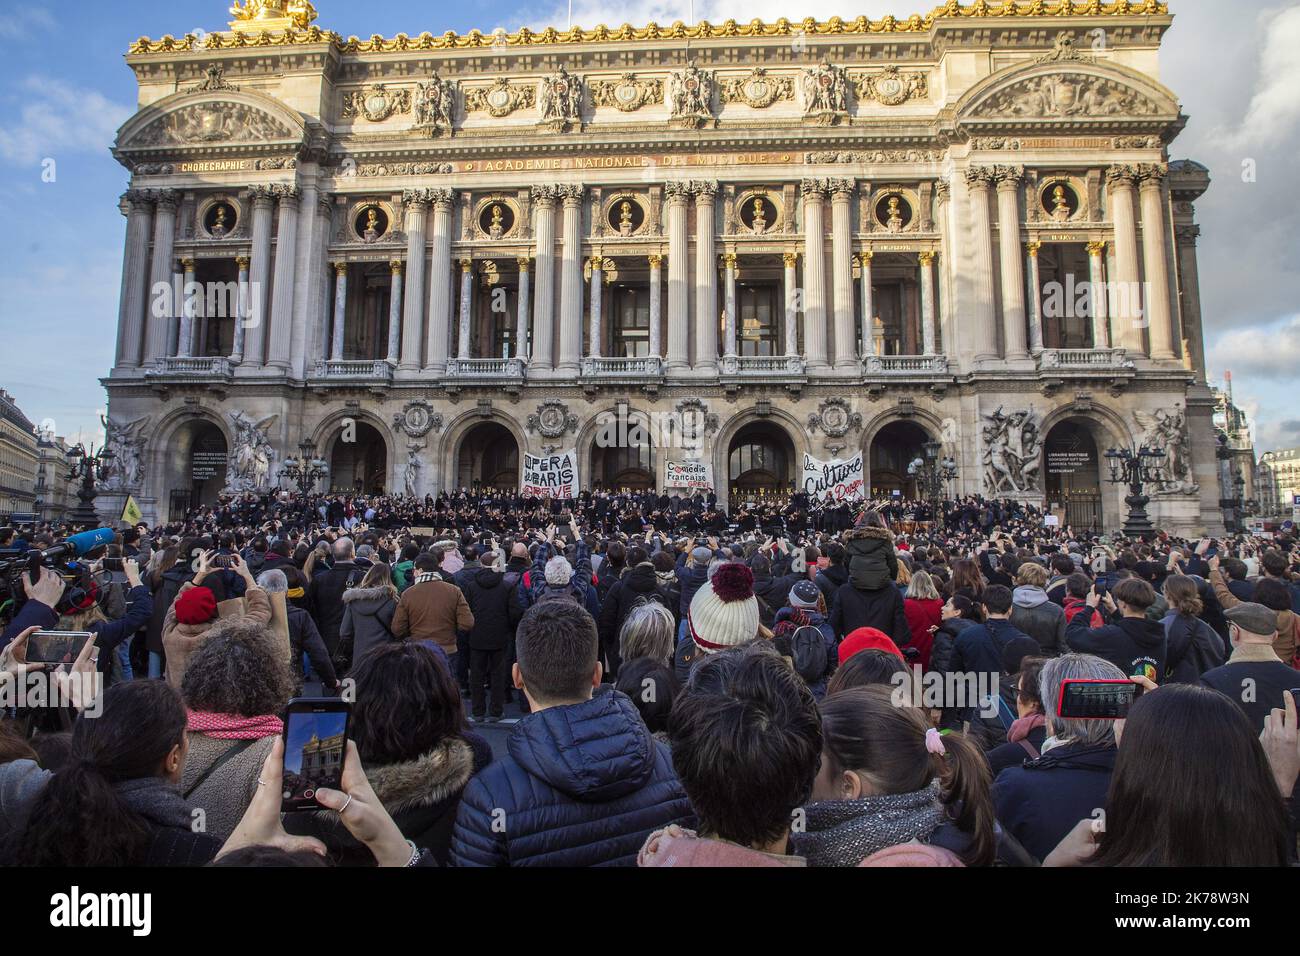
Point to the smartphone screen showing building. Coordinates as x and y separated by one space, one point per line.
313 754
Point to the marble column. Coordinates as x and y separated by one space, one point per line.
1098 298
983 318
542 353
131 309
1160 318
396 267
1035 300
417 221
1013 274
1185 237
814 275
340 310
521 319
438 343
791 263
656 305
1126 304
706 279
597 296
191 304
259 276
868 304
571 281
241 311
678 194
729 341
161 275
926 261
286 246
942 191
466 306
842 191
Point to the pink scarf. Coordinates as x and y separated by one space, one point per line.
234 727
1021 726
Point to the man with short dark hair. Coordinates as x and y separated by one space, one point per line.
1134 643
978 649
584 783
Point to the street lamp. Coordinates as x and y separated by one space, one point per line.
931 474
306 468
1136 468
87 469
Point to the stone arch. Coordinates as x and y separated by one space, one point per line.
326 433
589 431
281 129
1108 429
166 459
794 430
455 433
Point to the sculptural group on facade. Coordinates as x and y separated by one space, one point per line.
249 468
1165 431
123 466
1012 446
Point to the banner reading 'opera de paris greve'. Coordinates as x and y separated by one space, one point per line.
554 476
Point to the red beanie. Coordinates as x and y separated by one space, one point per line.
868 639
196 606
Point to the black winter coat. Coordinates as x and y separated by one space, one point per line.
1043 800
305 639
163 596
773 593
881 609
1136 646
495 607
637 586
582 785
872 560
325 599
830 580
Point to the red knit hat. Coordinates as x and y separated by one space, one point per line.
867 639
196 606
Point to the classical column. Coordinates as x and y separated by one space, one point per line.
521 321
241 311
926 260
678 194
842 272
131 309
191 302
259 276
1185 237
466 303
571 281
397 267
706 279
438 343
1164 344
340 309
541 356
309 266
417 221
814 274
286 245
791 262
656 305
729 341
942 191
161 275
597 294
983 319
1126 305
1035 300
868 304
1097 300
1013 273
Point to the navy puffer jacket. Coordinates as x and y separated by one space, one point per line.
582 785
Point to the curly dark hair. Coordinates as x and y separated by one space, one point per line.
238 669
407 703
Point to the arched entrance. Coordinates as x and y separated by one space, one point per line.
893 448
361 464
1073 468
200 456
488 457
760 461
621 454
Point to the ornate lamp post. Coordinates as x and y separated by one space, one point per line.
932 474
1136 468
87 469
306 468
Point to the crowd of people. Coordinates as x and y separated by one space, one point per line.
783 684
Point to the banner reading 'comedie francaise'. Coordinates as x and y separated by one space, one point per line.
834 480
554 476
691 474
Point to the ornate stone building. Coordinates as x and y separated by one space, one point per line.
427 257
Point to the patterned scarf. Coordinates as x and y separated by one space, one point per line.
846 832
234 727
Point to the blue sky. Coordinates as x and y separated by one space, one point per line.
64 90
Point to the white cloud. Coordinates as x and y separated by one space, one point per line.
47 117
589 13
20 24
1274 108
1262 352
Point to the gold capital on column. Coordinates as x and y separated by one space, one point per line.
1032 248
524 262
790 258
396 266
242 262
1097 247
926 258
655 261
866 255
340 269
187 265
466 265
729 260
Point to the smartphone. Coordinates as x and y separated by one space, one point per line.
56 647
1095 699
315 742
111 564
1100 588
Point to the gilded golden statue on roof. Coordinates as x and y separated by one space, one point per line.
272 15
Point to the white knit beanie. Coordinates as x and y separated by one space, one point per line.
558 571
724 612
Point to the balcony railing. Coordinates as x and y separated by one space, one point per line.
761 366
1085 359
486 369
208 366
354 370
904 365
622 368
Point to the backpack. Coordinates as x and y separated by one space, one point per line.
808 651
